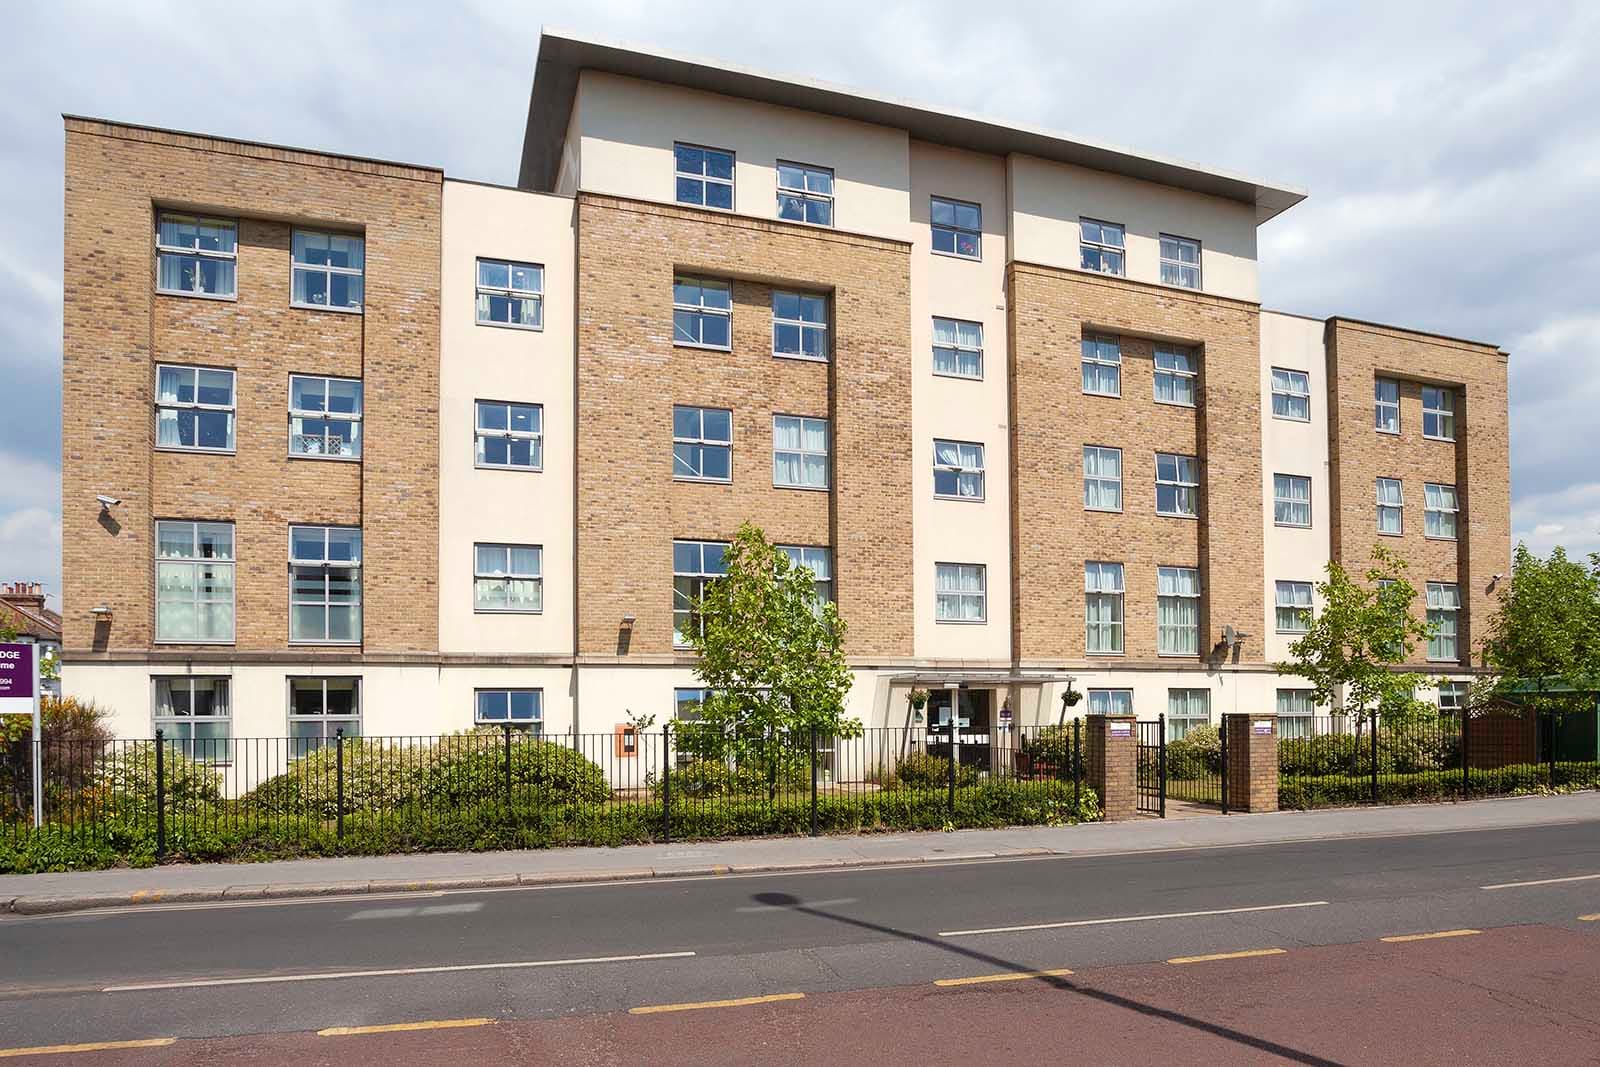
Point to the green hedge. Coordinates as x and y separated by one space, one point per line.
1399 752
1339 790
1198 754
921 770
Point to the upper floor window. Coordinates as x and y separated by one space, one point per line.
197 256
320 709
702 313
805 194
819 561
325 584
704 176
324 417
957 227
1111 702
1438 413
1102 365
194 581
510 294
509 435
1391 507
193 715
1386 405
1102 478
702 444
958 470
800 326
1175 376
328 271
957 348
694 565
1177 611
508 578
1291 500
522 709
1180 261
1292 606
194 408
1291 395
799 452
960 592
1439 511
1103 593
1100 246
1177 486
1444 609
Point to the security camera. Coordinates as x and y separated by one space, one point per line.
107 501
1497 577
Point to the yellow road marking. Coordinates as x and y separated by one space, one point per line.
97 1046
1430 937
1595 918
739 1002
395 1028
1011 976
1246 954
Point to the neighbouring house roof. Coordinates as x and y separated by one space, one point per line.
41 624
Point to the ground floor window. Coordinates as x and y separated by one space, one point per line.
1186 709
1453 695
319 708
1111 702
195 717
1295 711
522 708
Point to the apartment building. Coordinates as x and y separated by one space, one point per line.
395 453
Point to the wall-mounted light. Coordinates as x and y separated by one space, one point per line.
628 621
106 502
101 612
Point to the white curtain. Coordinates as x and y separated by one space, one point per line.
1102 478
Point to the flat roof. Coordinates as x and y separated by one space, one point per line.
562 55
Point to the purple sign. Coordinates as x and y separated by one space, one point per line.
16 677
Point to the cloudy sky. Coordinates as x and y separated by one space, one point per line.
1452 152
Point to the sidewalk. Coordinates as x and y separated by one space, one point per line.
41 893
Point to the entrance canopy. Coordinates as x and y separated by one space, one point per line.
956 679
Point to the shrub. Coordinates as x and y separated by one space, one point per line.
1197 754
127 778
1399 752
378 776
923 770
1052 747
714 778
470 768
1338 790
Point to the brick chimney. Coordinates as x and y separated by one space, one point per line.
26 595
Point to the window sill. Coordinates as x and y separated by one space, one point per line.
229 299
702 481
805 488
327 458
507 467
194 641
959 499
957 255
323 644
1290 418
1103 511
1102 273
1177 655
199 451
1441 440
1175 404
1107 655
1182 288
799 358
512 326
1177 515
1292 633
328 307
1386 433
1436 537
1292 525
507 611
1108 396
1384 533
958 377
707 348
961 622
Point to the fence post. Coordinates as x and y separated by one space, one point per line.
1077 768
1550 716
1374 759
814 780
505 728
1466 777
1223 735
338 743
1161 760
666 783
955 754
161 794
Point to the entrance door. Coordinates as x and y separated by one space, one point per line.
975 722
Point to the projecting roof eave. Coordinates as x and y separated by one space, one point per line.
563 55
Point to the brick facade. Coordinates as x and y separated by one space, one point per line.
1252 762
1111 764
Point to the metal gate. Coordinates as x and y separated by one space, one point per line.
1152 767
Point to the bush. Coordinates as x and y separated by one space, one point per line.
714 778
923 770
377 776
128 778
1051 747
470 768
1198 754
1339 790
1424 748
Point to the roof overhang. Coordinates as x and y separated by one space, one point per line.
562 56
945 679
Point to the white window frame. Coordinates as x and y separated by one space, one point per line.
960 594
505 574
177 727
1441 609
533 724
1434 510
1190 647
701 442
178 407
1178 483
1100 245
1177 265
197 253
328 271
954 228
968 463
1294 386
329 724
819 560
1382 407
705 178
1091 354
1181 715
510 291
805 326
1286 596
696 579
1104 583
1453 694
957 348
194 563
805 422
1397 505
804 194
1111 702
1181 370
326 416
481 434
1296 706
1100 479
326 602
702 311
1442 412
1290 502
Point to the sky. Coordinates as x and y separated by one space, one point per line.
1452 152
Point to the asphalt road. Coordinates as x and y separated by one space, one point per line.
553 973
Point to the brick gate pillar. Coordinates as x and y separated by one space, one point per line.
1252 761
1110 756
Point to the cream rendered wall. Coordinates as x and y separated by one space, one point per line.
1291 554
960 409
1048 198
570 172
628 128
499 363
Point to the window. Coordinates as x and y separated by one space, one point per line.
957 228
319 709
702 313
194 582
1439 511
1180 261
196 256
1453 696
1386 401
1111 702
1102 584
1102 365
800 326
194 408
1444 607
194 717
799 452
1177 611
1291 395
960 592
1175 377
1438 413
686 705
510 294
1100 246
702 444
520 708
1293 604
704 176
958 470
820 561
805 194
1391 507
1102 478
1177 486
1291 500
508 578
1295 711
694 563
1186 709
957 348
324 417
509 435
325 584
328 271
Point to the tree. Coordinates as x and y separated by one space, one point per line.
772 656
1363 632
1543 646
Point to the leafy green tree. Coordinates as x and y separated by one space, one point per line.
1543 646
772 656
1364 631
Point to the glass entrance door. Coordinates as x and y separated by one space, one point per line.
974 721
